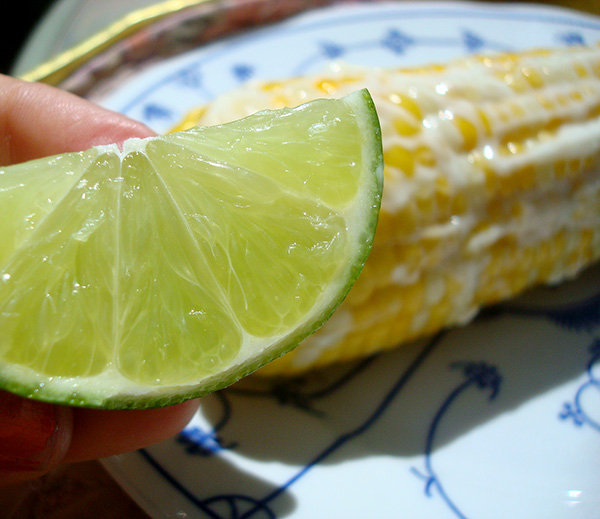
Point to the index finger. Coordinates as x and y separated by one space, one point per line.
38 120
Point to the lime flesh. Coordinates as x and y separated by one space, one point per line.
143 276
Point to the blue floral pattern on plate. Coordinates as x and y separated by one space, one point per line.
497 419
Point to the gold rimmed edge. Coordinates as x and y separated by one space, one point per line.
58 68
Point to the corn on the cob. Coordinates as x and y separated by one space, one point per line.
492 185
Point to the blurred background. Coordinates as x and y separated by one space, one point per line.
18 28
42 29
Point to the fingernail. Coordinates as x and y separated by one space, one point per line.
28 433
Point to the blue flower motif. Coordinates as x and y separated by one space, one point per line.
482 374
397 41
472 41
154 111
243 72
576 410
190 78
202 443
331 50
572 38
479 374
571 411
234 506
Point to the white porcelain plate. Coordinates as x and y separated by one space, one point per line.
500 419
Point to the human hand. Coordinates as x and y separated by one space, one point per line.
36 121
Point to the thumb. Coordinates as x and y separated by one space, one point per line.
34 437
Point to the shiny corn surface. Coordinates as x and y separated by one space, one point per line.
492 185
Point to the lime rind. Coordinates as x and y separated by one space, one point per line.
110 389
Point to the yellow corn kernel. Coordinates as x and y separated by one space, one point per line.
424 156
400 158
280 101
533 77
190 120
581 71
405 128
408 103
461 225
327 86
468 131
545 102
272 86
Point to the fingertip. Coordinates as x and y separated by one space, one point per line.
34 437
100 433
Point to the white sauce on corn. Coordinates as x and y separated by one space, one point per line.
475 126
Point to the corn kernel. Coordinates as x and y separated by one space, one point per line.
468 132
401 158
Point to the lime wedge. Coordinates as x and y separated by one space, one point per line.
162 271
